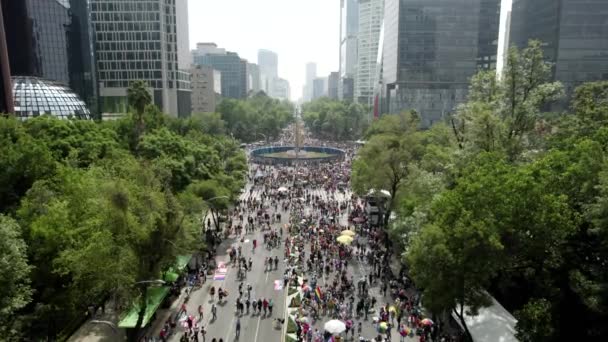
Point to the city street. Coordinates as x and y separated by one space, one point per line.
255 327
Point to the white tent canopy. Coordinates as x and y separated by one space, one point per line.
379 193
492 323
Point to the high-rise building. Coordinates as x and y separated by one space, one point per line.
281 90
142 40
332 85
430 51
206 86
6 94
254 81
371 14
319 88
349 28
574 36
205 49
51 39
311 74
269 63
234 72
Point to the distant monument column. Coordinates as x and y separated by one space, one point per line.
298 137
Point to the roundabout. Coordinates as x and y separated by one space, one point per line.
292 154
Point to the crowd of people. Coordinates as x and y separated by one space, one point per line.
350 280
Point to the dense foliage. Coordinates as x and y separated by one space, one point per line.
89 209
257 118
504 199
335 120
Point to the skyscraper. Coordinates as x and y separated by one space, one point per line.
254 81
269 63
234 72
349 27
51 39
332 85
574 36
431 50
311 73
6 98
371 13
142 40
281 91
319 88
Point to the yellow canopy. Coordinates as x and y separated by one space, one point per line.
344 239
348 232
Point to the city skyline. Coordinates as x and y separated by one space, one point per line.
302 32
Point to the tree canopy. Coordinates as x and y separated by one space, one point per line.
505 199
335 120
89 209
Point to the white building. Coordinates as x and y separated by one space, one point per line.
206 88
349 27
371 13
142 40
311 74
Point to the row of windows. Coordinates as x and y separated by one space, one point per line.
143 26
125 16
125 6
111 56
127 46
133 65
128 36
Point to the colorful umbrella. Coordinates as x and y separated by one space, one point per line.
348 233
345 239
426 321
382 327
404 331
392 309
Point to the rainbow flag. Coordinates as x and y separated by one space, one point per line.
318 293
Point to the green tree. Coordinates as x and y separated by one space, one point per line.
139 97
15 291
501 115
534 321
384 162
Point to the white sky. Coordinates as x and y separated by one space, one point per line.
299 31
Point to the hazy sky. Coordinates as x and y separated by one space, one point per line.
299 31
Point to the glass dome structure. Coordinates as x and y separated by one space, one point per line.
34 96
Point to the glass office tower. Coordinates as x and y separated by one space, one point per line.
574 35
431 50
234 72
51 39
142 40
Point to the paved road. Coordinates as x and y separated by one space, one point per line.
254 328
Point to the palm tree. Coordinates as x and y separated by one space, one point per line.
139 97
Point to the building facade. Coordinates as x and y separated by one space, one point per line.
234 72
311 74
142 40
371 14
319 88
205 49
332 85
281 89
349 28
254 81
269 63
431 49
51 39
574 36
206 86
